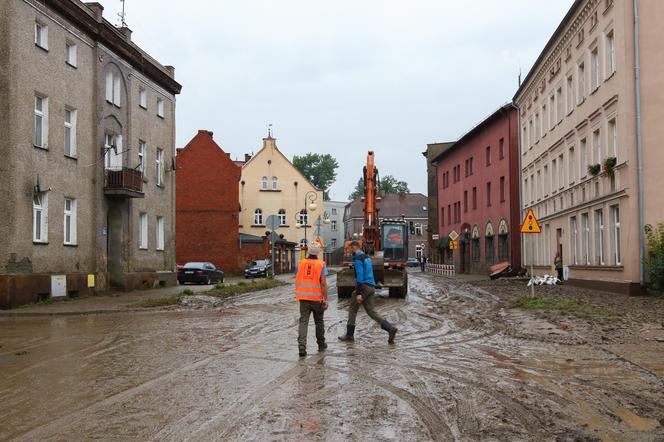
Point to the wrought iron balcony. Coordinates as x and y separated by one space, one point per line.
124 183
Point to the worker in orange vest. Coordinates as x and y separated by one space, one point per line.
311 292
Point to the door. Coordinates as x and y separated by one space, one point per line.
114 245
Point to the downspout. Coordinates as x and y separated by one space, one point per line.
639 143
519 176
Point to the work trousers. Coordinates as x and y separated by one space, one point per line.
306 308
367 293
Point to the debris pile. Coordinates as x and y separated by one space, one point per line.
543 280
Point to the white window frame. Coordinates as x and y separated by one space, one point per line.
583 157
160 233
585 226
142 97
41 35
70 126
617 252
69 222
333 243
303 217
264 183
599 237
574 240
282 217
560 104
41 115
275 183
418 229
113 88
160 107
143 231
571 161
595 69
612 137
610 56
142 156
597 146
552 111
258 217
71 53
561 171
333 225
40 218
570 94
581 82
159 164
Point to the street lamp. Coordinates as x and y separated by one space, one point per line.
310 197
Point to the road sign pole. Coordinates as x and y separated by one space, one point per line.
272 237
532 265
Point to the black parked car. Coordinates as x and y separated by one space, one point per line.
261 267
200 273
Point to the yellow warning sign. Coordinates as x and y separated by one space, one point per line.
454 245
530 224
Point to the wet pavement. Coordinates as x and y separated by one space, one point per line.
461 370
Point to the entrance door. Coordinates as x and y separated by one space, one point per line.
559 241
114 245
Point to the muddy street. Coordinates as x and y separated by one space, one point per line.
463 368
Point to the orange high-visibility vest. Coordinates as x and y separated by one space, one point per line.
307 281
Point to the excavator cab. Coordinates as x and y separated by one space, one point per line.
394 239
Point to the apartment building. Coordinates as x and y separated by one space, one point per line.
478 188
333 233
88 123
579 142
433 253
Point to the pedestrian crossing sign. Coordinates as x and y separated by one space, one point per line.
530 224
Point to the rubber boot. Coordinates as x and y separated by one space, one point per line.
390 329
350 334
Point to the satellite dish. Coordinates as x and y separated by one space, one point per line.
273 222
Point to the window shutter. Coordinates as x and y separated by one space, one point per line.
109 86
116 90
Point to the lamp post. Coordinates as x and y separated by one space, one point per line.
310 197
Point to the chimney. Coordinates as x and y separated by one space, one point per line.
97 9
203 131
124 30
247 157
171 70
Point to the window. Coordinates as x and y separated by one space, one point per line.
599 237
40 218
258 217
465 201
610 47
560 106
501 147
581 90
275 183
554 176
552 111
160 233
418 229
411 227
525 190
159 163
538 186
143 231
570 94
69 223
531 135
612 138
160 108
476 249
586 238
488 155
615 213
561 172
471 165
571 165
41 121
333 225
574 240
449 214
141 156
490 254
532 188
333 243
503 247
264 183
41 35
304 217
583 157
71 53
474 198
502 188
418 251
597 147
142 98
70 132
334 211
545 127
282 217
545 185
113 87
524 139
488 193
594 69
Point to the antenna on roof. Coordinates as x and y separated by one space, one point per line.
269 130
519 74
122 15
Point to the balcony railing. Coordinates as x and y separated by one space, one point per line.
124 183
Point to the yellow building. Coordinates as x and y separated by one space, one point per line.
271 185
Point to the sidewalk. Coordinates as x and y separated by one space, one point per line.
113 302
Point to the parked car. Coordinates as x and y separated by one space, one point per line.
413 262
258 268
200 273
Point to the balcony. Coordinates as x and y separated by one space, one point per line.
124 183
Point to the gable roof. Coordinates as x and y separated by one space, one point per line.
202 140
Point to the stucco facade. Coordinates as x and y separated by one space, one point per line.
478 188
271 185
433 236
333 233
54 57
578 108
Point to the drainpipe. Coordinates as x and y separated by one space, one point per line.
639 143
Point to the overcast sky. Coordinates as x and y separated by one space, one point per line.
342 77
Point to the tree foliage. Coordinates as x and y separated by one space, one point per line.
320 169
655 261
388 184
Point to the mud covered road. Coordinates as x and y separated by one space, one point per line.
464 368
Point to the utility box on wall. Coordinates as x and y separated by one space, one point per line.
58 286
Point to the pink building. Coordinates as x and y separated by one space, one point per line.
478 194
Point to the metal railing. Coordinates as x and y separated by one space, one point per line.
441 269
124 179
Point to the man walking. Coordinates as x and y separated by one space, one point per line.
364 295
311 292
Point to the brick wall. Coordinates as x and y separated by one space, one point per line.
207 205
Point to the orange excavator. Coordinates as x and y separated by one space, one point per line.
385 241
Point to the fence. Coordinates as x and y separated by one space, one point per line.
441 269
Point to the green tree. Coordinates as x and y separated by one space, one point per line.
387 184
320 169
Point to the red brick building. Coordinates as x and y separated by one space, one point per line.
207 204
478 194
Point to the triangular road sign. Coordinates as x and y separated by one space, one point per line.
530 224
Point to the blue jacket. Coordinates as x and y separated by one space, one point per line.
363 269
